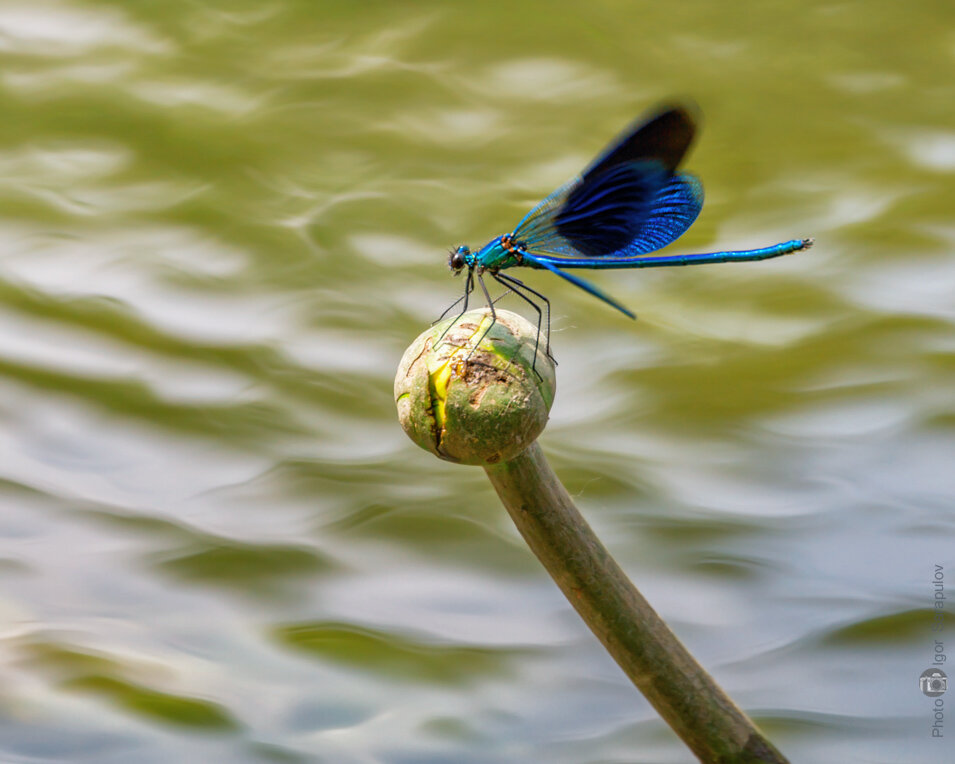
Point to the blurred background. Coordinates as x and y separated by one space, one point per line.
222 222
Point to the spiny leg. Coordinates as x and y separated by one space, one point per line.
513 282
490 304
447 310
468 288
501 297
506 281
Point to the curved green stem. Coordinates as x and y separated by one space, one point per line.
483 407
687 698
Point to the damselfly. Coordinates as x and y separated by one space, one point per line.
629 202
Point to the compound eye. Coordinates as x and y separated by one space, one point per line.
457 261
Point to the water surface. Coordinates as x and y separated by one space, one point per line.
221 223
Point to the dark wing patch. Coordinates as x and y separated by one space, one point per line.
664 137
604 212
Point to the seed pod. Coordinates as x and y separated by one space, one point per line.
475 405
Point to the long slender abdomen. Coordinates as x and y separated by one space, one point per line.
662 261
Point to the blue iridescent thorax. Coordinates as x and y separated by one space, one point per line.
499 253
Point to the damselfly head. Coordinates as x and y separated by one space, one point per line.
458 259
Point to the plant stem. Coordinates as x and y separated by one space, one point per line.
687 698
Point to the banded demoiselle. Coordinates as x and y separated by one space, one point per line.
629 202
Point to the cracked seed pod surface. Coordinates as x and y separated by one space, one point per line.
475 408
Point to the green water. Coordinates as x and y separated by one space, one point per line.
221 223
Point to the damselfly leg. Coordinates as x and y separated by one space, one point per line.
468 288
516 285
490 305
510 284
